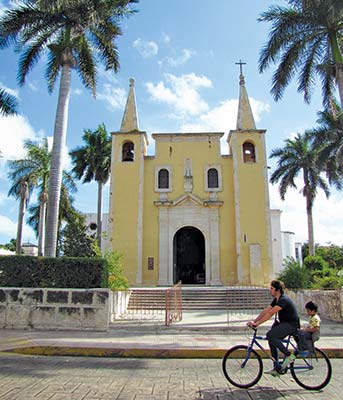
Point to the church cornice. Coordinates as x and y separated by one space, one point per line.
185 136
245 131
188 198
133 132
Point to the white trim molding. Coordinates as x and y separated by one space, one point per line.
170 171
188 211
218 167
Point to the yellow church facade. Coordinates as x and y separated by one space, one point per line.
189 213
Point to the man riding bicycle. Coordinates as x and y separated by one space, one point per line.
286 323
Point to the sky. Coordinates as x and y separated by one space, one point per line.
182 55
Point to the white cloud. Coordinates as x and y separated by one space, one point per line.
221 118
9 228
77 92
2 198
185 55
109 76
114 96
181 93
18 129
33 86
258 107
145 48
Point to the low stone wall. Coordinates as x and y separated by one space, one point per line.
55 309
329 302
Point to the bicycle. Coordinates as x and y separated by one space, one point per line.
242 365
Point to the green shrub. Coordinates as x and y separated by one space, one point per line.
113 277
62 272
315 263
294 276
327 278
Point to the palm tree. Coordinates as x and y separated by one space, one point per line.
22 193
93 162
67 210
329 137
299 156
8 103
306 40
76 34
33 169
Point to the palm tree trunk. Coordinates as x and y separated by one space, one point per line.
99 214
41 226
339 80
22 209
309 206
57 162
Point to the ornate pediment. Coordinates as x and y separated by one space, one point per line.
188 199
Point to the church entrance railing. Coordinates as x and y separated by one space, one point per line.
173 304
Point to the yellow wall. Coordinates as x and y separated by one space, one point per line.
124 204
125 181
253 204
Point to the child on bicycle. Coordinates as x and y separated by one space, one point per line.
311 332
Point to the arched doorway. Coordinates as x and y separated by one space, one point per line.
189 256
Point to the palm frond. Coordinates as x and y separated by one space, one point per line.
8 103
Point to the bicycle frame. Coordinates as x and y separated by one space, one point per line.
288 342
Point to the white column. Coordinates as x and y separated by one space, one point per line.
140 216
214 239
163 266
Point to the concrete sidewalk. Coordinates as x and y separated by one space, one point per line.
205 334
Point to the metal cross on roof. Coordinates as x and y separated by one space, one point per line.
241 63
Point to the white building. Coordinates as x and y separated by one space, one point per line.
91 224
283 243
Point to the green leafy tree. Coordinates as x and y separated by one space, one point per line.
8 103
113 276
76 35
332 254
294 276
93 162
75 241
305 40
322 275
315 263
326 277
10 246
299 156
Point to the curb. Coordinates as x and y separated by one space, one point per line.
136 352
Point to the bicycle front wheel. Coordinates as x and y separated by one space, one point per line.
312 372
241 367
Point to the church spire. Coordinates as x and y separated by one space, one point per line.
130 119
245 118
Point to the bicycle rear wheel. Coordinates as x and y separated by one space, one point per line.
312 372
241 368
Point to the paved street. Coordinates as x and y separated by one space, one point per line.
76 378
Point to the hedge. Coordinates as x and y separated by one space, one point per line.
46 272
